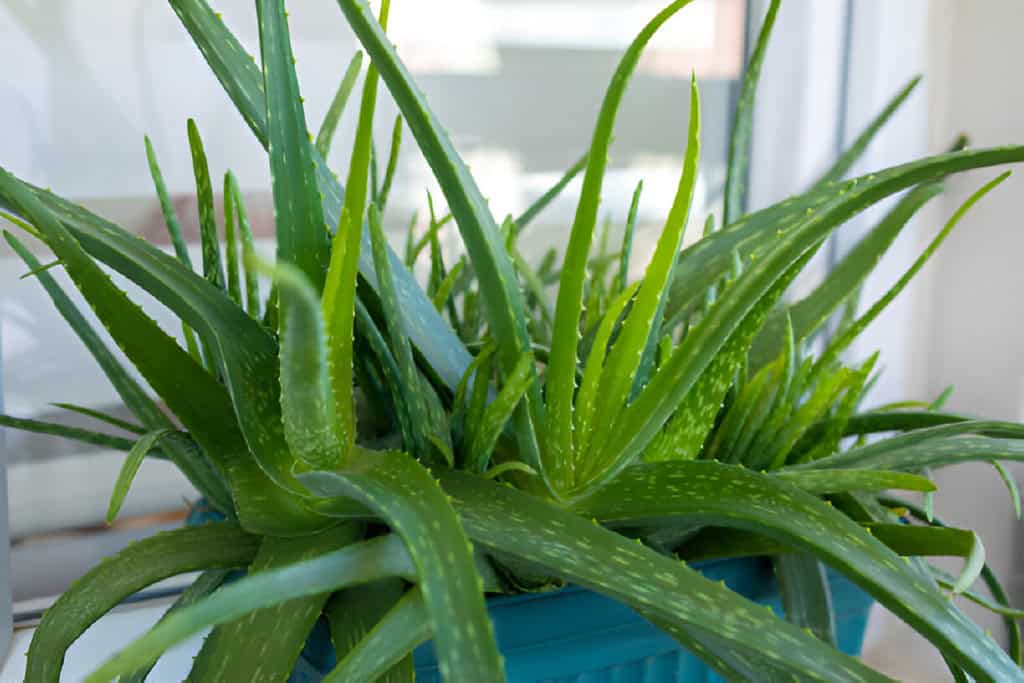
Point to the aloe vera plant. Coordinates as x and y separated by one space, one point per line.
388 455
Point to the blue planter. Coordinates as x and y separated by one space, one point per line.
574 635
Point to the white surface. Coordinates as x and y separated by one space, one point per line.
106 637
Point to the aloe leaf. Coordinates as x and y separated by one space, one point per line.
337 107
561 375
411 503
231 244
102 417
309 409
205 583
1011 486
743 123
252 284
941 541
444 290
169 553
987 575
587 396
841 481
747 399
837 345
724 495
139 450
533 210
397 633
302 239
932 452
265 644
74 433
514 524
392 167
354 564
622 278
213 267
200 401
650 410
499 412
354 612
811 312
849 157
638 335
806 596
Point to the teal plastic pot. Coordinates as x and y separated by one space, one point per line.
574 635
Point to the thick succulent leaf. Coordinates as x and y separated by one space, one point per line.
243 82
729 496
213 266
1011 486
205 583
513 524
221 545
264 644
231 240
560 385
337 107
140 449
542 202
586 404
396 634
743 123
894 454
252 284
496 415
192 464
196 397
841 481
806 596
309 411
850 156
626 252
639 333
381 557
936 541
839 344
649 411
356 612
302 238
392 167
842 282
74 433
408 499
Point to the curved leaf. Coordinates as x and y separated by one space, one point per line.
132 461
374 634
337 107
221 545
722 495
841 481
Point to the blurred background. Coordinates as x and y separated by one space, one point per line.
517 83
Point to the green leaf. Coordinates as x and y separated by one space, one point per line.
928 451
499 412
309 409
397 633
560 385
408 499
334 112
143 563
444 290
252 285
627 239
723 495
806 596
231 243
205 408
213 267
587 397
302 238
638 335
264 644
363 562
195 466
849 157
931 541
102 417
841 481
843 280
743 123
392 167
139 450
205 583
74 433
837 345
515 525
1011 486
533 210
